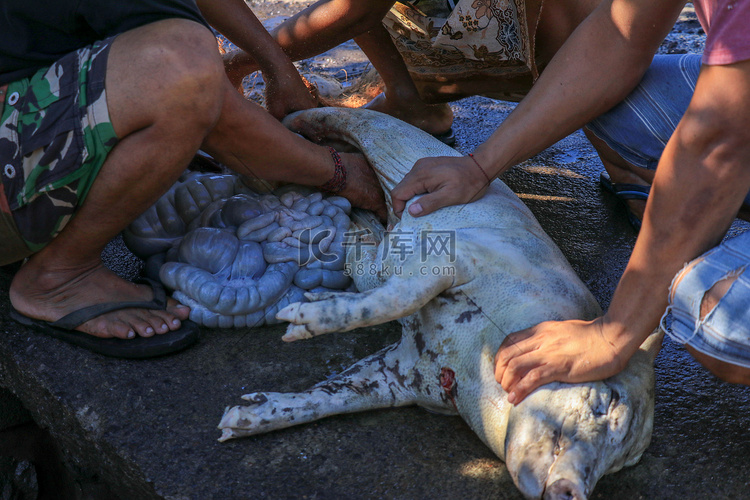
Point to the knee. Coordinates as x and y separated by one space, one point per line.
177 67
190 55
728 372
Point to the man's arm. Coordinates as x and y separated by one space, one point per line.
602 61
285 91
700 183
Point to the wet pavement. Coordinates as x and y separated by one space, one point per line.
148 428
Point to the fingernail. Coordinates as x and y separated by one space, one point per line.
164 326
175 322
131 334
415 209
512 397
149 330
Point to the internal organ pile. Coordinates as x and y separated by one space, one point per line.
235 256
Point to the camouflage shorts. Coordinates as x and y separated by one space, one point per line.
55 134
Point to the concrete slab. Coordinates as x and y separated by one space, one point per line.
148 428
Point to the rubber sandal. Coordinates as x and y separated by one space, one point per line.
626 192
135 348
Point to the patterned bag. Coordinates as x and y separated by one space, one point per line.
469 40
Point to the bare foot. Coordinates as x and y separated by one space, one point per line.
49 294
432 118
237 65
363 189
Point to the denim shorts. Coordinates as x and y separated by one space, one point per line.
724 332
55 134
639 127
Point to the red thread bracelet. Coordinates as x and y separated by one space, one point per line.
471 155
338 182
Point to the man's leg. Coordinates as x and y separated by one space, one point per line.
401 98
728 372
162 122
709 304
161 118
631 136
329 23
319 27
621 171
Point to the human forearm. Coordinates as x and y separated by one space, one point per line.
701 181
328 23
285 91
597 67
235 20
699 186
599 64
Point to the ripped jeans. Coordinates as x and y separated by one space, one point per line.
724 331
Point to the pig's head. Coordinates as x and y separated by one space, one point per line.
563 437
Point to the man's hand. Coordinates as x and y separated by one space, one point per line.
238 64
362 186
563 351
285 90
287 93
446 180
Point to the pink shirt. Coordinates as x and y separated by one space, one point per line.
727 24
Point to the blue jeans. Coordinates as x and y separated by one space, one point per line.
724 332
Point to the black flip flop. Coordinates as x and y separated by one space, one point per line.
448 138
626 192
135 348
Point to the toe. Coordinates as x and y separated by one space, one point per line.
107 327
296 332
145 324
178 310
160 325
289 313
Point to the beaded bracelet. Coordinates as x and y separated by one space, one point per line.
471 155
338 182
